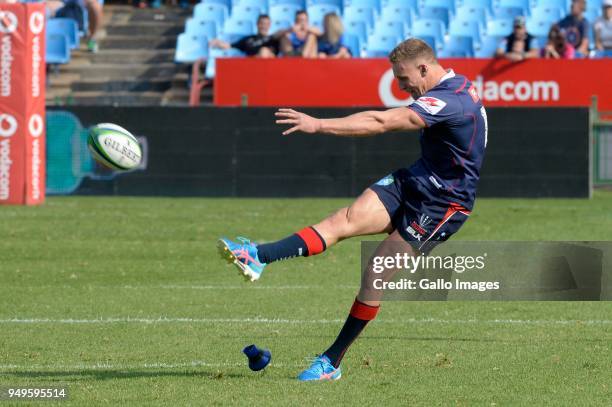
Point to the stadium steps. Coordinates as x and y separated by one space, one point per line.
135 64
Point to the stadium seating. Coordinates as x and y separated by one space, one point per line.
261 5
211 12
218 53
284 12
239 27
488 46
318 11
500 27
436 13
458 47
57 49
365 14
190 48
429 28
353 43
455 28
201 27
67 27
381 45
299 3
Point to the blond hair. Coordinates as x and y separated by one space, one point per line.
412 48
332 28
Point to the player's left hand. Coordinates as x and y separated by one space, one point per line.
300 121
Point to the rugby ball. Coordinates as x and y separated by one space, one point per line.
114 147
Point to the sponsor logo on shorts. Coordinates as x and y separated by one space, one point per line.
388 180
417 230
430 104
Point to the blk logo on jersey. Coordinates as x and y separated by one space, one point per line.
430 104
417 230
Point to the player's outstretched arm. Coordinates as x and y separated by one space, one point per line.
368 123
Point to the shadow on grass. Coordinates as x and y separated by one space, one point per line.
108 374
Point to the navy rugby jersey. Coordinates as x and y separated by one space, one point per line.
453 141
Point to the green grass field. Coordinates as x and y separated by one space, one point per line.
125 301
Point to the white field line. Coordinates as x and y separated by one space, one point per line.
121 366
261 320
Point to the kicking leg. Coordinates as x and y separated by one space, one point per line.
366 216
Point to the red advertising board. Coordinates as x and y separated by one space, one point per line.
370 82
22 103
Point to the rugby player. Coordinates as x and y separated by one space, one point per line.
422 205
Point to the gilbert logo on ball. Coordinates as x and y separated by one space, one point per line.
114 147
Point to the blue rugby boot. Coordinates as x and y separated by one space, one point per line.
243 255
321 369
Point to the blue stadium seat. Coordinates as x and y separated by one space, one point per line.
318 11
592 14
262 5
547 13
239 27
57 49
190 48
436 13
353 43
67 27
485 4
428 28
219 53
300 3
226 3
457 47
338 3
449 4
212 12
465 29
278 25
230 37
380 45
201 27
364 14
404 14
524 4
431 41
390 29
488 46
509 12
357 28
500 27
413 4
375 4
562 4
603 54
591 5
469 13
285 12
246 13
538 28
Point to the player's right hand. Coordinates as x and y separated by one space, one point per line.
300 121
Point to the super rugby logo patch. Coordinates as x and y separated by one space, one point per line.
430 104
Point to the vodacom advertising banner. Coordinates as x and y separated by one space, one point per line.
370 82
22 103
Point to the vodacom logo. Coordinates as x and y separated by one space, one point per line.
36 125
37 22
8 125
385 91
8 22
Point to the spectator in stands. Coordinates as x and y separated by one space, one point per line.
576 28
519 44
94 11
603 28
331 44
262 44
558 47
301 39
